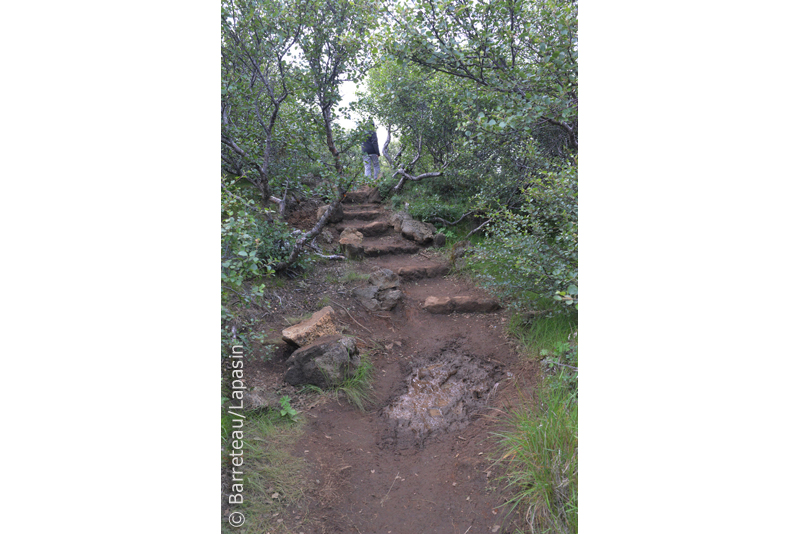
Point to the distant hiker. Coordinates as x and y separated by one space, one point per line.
371 155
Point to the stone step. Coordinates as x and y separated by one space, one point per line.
460 304
361 196
423 271
362 206
381 248
364 215
368 229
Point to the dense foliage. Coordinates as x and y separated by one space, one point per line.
533 249
480 98
253 241
283 62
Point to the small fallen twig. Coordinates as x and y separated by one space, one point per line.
390 488
448 223
331 257
353 318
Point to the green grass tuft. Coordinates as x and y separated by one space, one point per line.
542 454
358 388
543 335
269 469
353 276
541 445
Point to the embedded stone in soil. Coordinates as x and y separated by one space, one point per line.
443 391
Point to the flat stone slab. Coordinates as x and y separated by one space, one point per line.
438 305
320 324
460 304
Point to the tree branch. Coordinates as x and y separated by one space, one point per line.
314 232
478 228
448 223
234 146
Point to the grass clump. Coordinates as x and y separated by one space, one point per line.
353 276
543 335
358 388
541 445
542 455
273 477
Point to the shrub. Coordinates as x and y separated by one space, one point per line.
533 246
252 242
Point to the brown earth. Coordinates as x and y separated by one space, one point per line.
423 463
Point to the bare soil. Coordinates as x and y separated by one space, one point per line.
421 458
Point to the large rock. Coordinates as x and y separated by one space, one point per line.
417 231
389 298
374 228
397 219
336 216
320 324
350 241
384 279
375 299
326 363
381 293
368 296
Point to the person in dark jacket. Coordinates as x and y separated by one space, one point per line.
371 154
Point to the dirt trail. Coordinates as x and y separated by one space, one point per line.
418 463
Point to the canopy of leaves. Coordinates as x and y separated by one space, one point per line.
523 54
481 98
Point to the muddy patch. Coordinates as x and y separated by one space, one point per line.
443 393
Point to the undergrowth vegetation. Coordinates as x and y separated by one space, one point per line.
253 240
531 255
357 389
540 446
273 478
